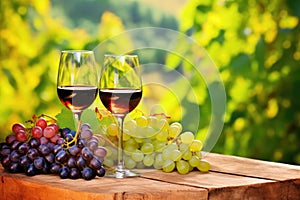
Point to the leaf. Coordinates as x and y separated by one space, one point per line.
65 119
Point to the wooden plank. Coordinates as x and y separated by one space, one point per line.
20 186
252 168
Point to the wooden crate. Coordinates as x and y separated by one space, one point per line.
230 177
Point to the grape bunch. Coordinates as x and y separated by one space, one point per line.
44 148
153 142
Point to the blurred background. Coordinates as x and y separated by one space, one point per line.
255 45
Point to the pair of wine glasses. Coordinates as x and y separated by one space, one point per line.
119 88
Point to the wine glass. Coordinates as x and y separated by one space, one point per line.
120 91
77 81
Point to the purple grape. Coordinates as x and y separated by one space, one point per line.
71 162
81 143
50 158
14 168
100 172
34 143
55 168
30 170
86 154
64 172
44 149
57 148
5 161
61 156
88 174
5 152
74 173
15 144
74 150
24 161
95 163
39 162
14 156
23 148
32 154
80 162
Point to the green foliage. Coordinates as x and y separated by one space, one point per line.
256 46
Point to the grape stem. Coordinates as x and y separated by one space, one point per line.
75 138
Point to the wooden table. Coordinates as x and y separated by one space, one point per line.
230 178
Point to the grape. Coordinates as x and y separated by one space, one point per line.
80 162
65 131
158 162
44 149
34 143
129 163
54 139
194 161
44 140
23 148
203 166
92 145
176 155
24 161
174 131
17 127
50 158
37 132
137 155
5 152
74 150
158 145
100 172
5 161
187 155
196 146
87 173
49 132
182 167
61 156
86 134
32 153
187 137
55 168
71 162
21 136
55 126
153 121
141 121
15 144
14 168
112 130
168 166
30 170
86 154
100 152
147 148
74 173
148 160
10 138
41 122
14 156
39 162
131 126
162 135
95 163
64 172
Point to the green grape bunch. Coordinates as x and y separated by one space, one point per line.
154 142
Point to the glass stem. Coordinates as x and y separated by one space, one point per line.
120 166
77 119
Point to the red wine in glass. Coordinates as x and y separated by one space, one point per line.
120 100
77 97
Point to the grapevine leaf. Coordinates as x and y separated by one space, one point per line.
65 119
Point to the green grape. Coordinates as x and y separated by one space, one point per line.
196 146
129 163
163 124
166 153
137 155
148 160
150 132
141 121
128 149
131 126
131 142
182 167
174 131
172 146
176 155
194 161
126 135
187 137
140 165
203 166
112 130
109 150
153 122
183 147
198 153
158 162
187 155
178 125
108 162
162 136
168 166
147 148
158 145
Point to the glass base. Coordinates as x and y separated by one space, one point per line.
121 174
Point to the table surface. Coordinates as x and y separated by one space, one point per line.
230 177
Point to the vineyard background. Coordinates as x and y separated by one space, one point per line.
255 45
